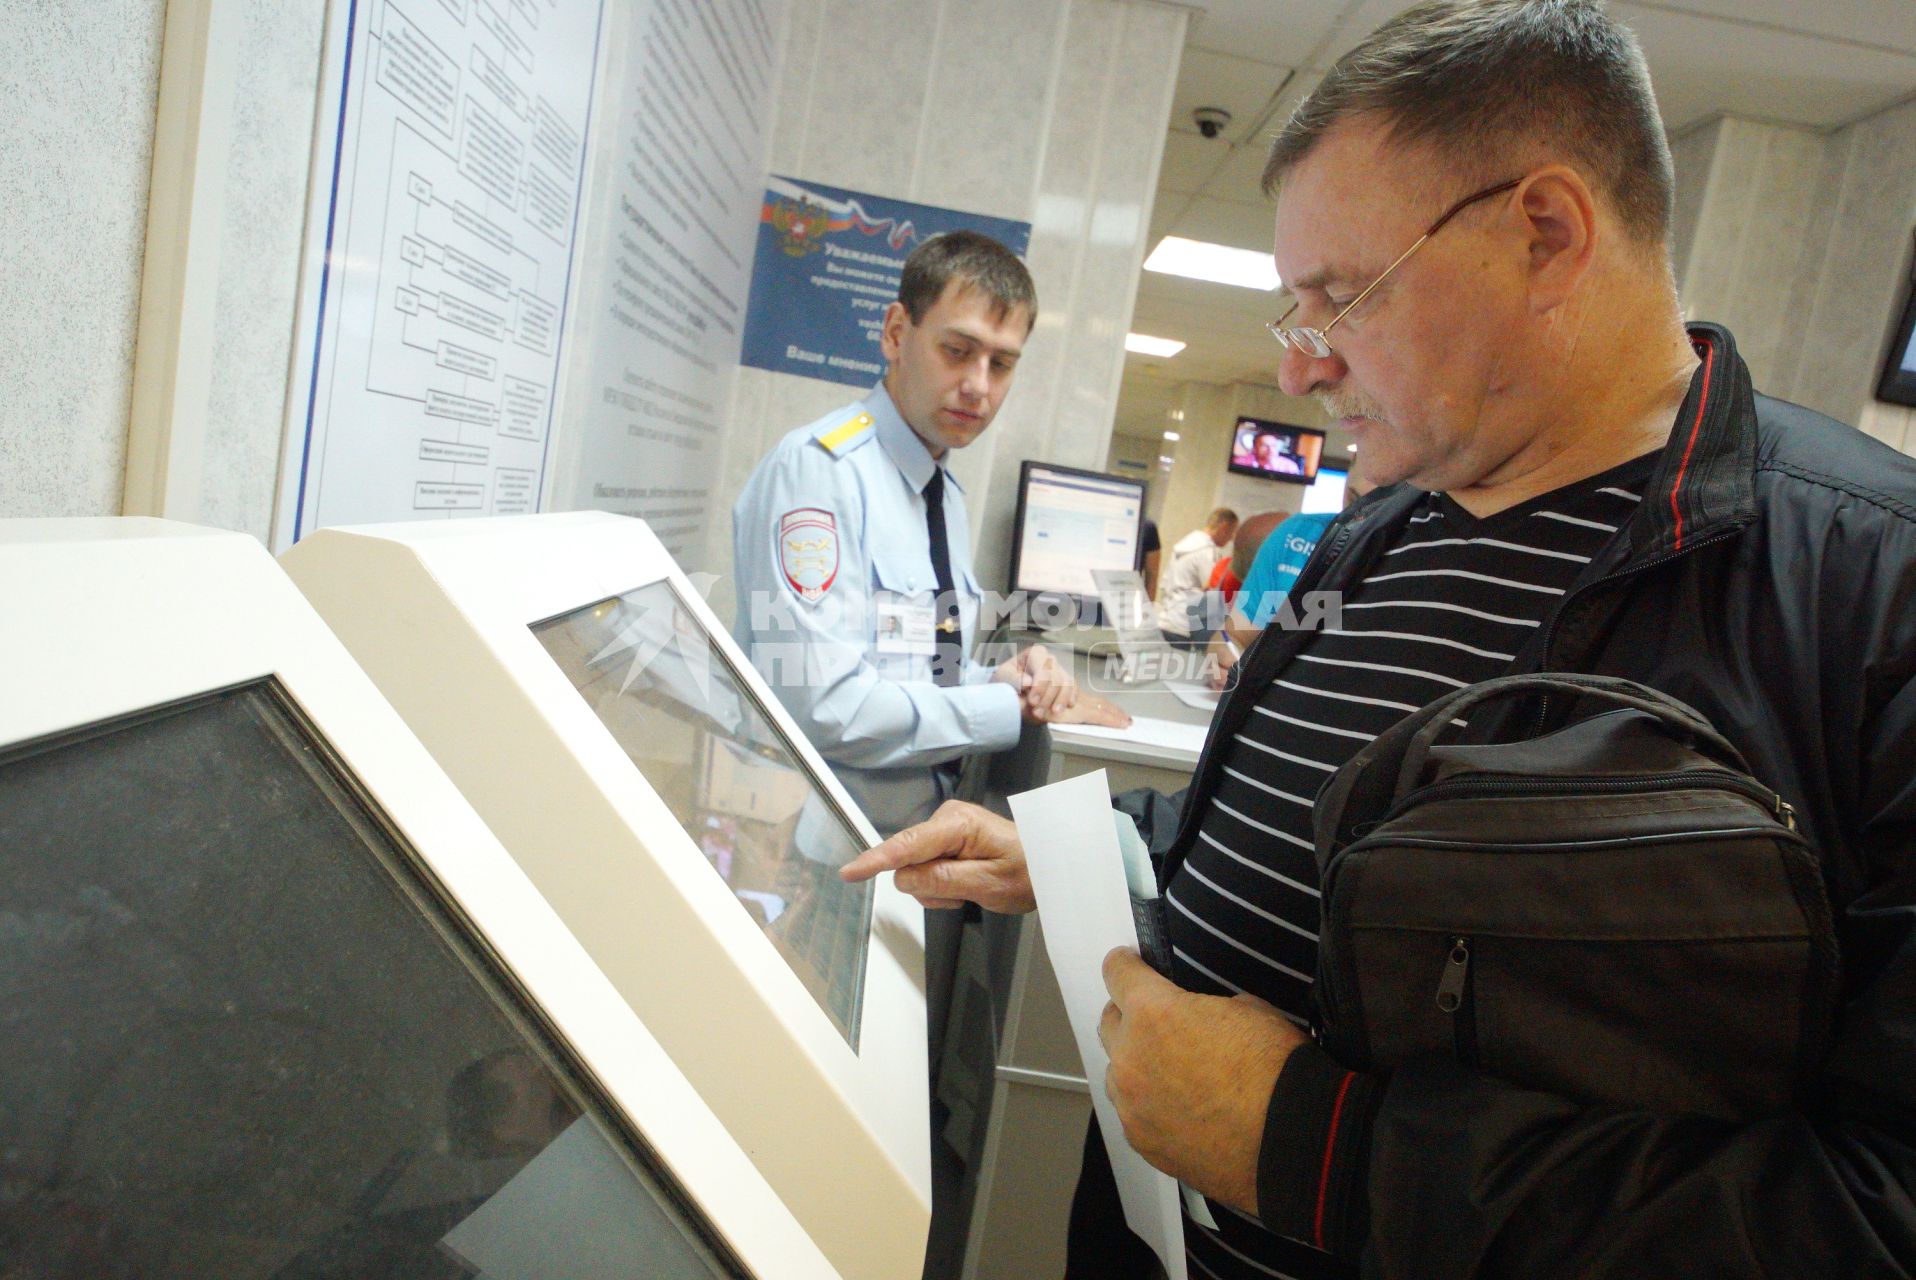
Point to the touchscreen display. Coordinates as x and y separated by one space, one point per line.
246 1038
731 778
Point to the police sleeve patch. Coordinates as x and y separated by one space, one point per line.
808 551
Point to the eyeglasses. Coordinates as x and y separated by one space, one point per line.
1314 342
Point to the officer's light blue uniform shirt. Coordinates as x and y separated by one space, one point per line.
836 608
1278 562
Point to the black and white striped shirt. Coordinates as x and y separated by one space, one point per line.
1449 604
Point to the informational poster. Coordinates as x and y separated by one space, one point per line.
660 303
448 165
826 266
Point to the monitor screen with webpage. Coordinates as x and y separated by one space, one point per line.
1276 451
1070 523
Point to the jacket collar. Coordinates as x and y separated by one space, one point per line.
1705 480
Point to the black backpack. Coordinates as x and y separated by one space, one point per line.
1615 911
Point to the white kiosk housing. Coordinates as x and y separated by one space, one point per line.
576 687
279 1004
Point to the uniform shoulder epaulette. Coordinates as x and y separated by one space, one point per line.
839 438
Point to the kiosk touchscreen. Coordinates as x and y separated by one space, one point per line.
576 687
278 1005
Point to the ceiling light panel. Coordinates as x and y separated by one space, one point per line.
1217 263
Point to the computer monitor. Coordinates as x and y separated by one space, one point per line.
279 1005
1069 523
1326 492
1276 451
576 687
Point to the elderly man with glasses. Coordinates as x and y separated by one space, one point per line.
1473 215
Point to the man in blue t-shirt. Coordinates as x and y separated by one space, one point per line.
1276 567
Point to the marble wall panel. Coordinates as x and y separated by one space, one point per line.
984 130
1117 70
1690 156
864 93
81 83
1801 247
1861 283
1047 111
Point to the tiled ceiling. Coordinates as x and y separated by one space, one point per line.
1815 63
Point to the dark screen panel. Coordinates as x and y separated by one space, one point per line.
243 1039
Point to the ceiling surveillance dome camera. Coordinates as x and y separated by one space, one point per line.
1210 121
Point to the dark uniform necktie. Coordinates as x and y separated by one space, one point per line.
948 654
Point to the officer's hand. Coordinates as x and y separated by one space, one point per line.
1191 1076
1219 657
960 854
1092 709
1045 687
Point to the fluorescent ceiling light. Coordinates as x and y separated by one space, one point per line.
1172 436
1218 263
1350 448
1146 345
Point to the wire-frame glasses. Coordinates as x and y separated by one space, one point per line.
1315 342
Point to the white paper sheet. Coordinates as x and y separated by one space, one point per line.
1197 699
1146 731
1077 873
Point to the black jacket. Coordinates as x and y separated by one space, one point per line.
1768 579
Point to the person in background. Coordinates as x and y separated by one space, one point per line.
856 597
1150 553
1274 454
1192 559
1228 577
1274 566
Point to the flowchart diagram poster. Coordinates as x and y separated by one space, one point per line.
447 178
660 303
827 265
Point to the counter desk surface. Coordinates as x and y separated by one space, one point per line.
1160 749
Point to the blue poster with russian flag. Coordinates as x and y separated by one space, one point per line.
827 265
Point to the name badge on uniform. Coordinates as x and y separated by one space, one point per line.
904 627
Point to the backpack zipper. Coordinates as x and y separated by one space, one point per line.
1523 785
1453 997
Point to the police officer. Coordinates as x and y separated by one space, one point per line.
856 597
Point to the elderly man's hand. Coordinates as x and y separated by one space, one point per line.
1192 1075
960 854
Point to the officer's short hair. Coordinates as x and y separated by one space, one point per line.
1487 83
1222 515
974 259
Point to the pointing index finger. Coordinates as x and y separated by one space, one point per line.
936 837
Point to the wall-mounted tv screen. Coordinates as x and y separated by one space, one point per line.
1276 451
1898 383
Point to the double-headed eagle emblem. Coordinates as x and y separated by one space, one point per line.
801 225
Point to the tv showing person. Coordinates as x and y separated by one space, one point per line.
1268 449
